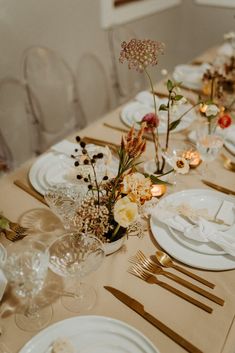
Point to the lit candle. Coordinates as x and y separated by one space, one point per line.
158 190
193 158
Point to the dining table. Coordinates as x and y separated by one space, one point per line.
210 332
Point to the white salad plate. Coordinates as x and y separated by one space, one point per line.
190 75
133 113
192 253
92 334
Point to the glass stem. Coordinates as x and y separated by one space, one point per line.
32 309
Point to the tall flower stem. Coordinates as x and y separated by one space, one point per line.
155 135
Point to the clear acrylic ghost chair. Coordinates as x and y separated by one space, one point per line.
92 85
18 134
52 95
6 159
126 82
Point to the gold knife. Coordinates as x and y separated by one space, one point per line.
139 309
218 187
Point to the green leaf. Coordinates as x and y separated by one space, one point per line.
178 97
169 85
163 107
174 124
156 180
4 223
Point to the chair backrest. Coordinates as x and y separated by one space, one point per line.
52 94
17 135
127 82
92 86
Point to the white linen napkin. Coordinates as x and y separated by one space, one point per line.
202 230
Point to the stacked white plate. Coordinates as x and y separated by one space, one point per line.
190 75
57 166
194 253
133 113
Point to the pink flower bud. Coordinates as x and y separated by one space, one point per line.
151 120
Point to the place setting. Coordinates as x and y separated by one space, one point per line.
133 112
196 227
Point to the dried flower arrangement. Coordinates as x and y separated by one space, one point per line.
112 206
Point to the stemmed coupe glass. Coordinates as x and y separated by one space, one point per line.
26 268
62 199
75 255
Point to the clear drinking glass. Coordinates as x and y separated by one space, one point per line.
62 199
209 144
74 256
26 269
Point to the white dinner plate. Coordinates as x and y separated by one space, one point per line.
92 334
190 75
200 198
208 199
133 113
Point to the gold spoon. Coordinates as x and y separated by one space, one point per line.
166 261
228 164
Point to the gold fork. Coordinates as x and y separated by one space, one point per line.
228 164
138 271
16 227
149 265
12 235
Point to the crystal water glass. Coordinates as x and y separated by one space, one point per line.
209 143
26 269
74 256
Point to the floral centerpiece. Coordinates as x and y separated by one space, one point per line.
112 206
140 54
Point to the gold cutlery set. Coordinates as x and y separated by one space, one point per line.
12 231
148 269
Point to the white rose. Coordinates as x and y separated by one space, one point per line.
125 212
212 109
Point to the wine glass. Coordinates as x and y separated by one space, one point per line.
209 143
26 268
62 199
75 255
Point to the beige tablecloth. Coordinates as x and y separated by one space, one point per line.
212 333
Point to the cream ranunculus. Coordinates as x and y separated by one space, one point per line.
125 212
137 187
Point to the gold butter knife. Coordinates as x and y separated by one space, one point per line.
139 309
218 187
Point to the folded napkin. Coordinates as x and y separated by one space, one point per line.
199 229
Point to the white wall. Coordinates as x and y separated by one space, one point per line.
72 27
